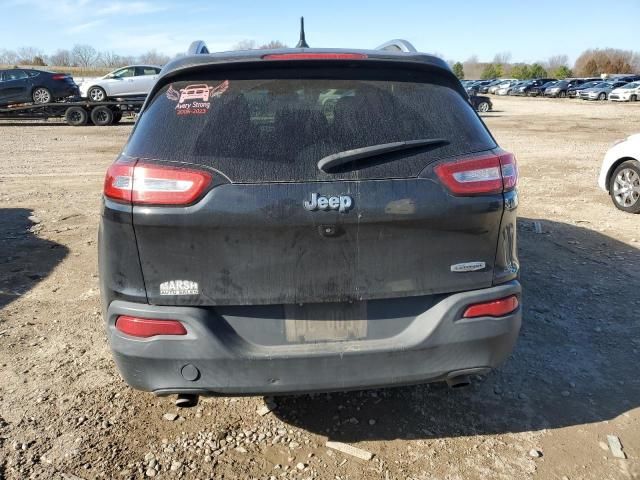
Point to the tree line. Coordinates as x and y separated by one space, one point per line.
590 63
86 56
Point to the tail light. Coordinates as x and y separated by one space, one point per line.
151 184
315 56
494 308
147 327
58 76
478 176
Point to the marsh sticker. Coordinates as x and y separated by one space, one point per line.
179 287
195 99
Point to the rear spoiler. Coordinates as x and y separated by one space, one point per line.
198 47
199 56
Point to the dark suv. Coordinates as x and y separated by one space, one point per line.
308 220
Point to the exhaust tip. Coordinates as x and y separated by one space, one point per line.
459 381
187 400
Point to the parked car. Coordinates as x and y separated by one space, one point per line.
298 250
600 91
520 87
525 88
474 88
485 88
620 174
509 87
501 84
575 90
540 89
481 103
626 93
622 78
131 81
561 88
21 85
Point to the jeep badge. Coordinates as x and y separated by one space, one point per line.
342 203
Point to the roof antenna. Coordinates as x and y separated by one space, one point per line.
302 43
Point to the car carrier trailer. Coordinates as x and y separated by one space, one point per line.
74 112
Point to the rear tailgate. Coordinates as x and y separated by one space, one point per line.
274 228
256 244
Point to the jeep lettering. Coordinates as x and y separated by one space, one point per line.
342 203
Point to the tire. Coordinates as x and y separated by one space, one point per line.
76 116
41 95
484 107
563 94
624 186
117 116
602 96
96 94
102 116
633 98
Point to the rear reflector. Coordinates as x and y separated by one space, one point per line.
147 327
494 308
478 176
315 56
152 184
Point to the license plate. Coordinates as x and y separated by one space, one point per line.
326 322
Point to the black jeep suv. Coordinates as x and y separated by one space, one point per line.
308 220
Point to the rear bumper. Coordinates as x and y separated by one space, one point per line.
214 359
66 91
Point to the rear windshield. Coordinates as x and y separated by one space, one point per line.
277 128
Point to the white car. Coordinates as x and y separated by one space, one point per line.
506 82
627 93
620 174
131 81
503 88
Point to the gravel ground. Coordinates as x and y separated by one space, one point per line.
66 414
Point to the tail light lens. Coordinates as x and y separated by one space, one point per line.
494 308
118 181
58 76
147 327
478 176
150 184
509 170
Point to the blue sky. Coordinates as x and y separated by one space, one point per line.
455 30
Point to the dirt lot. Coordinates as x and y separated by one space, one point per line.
573 379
